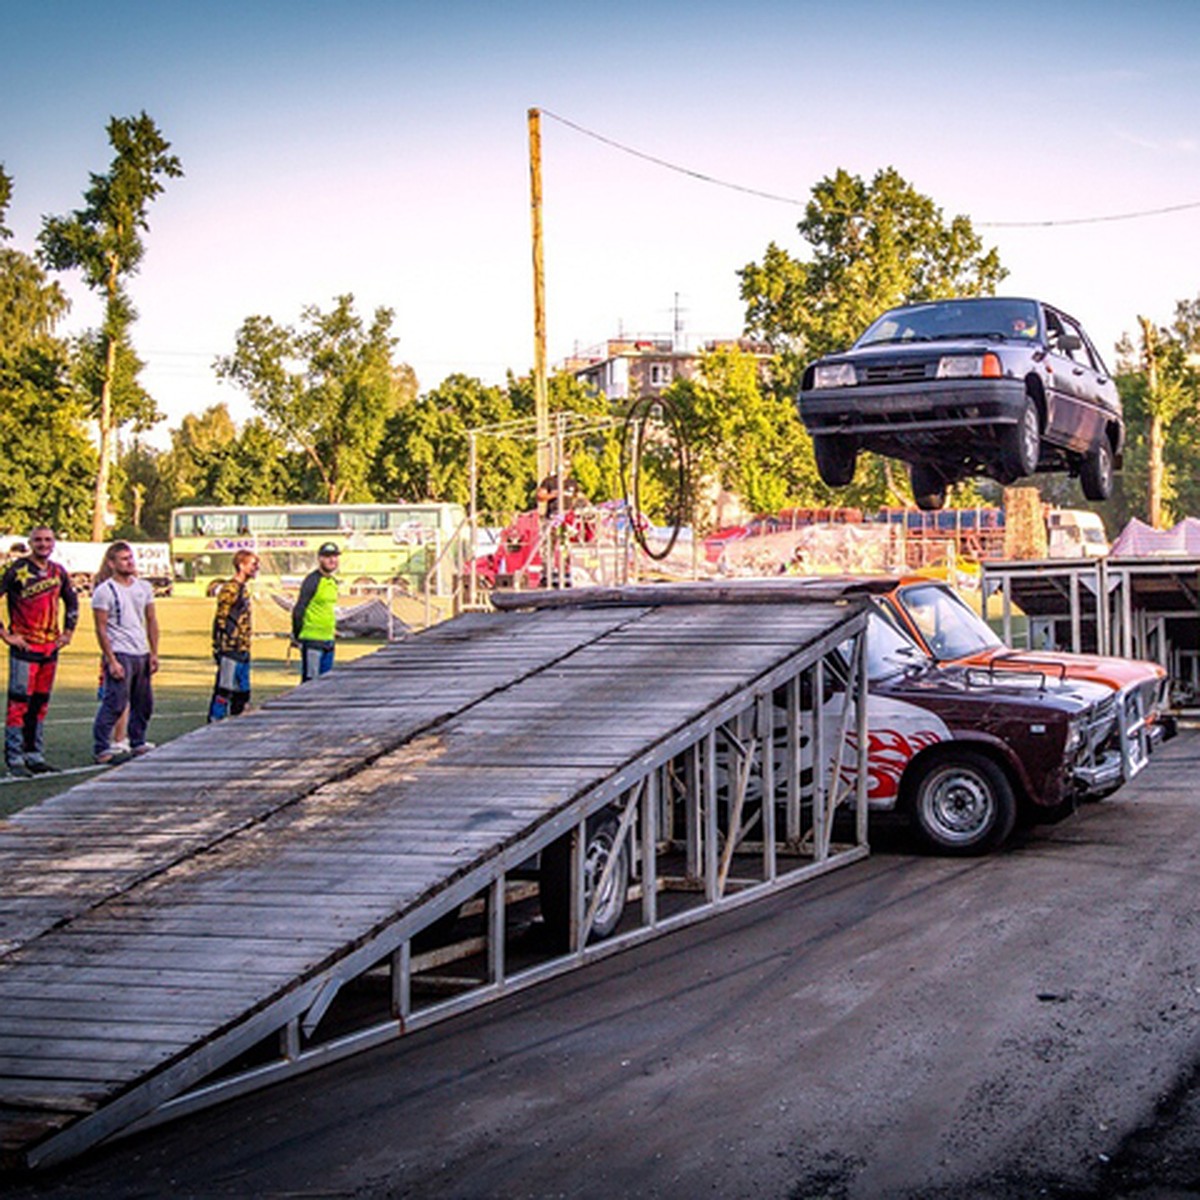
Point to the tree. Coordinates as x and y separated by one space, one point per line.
326 389
425 448
872 246
49 460
1159 383
104 240
211 461
743 437
592 441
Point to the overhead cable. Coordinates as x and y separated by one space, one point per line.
738 187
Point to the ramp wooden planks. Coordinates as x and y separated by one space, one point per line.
159 920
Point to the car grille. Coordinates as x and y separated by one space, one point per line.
893 372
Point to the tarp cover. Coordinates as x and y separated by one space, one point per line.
372 618
1139 540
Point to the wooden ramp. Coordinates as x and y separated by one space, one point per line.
163 926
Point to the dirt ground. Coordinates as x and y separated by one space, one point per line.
1023 1025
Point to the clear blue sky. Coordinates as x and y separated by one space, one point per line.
381 149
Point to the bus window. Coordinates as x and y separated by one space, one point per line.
314 520
265 522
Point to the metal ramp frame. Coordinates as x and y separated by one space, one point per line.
1150 609
215 952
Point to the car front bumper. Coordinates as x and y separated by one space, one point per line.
917 407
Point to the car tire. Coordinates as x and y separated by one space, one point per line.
962 803
1096 473
1020 444
928 485
554 881
837 459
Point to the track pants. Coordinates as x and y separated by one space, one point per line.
231 693
134 691
30 681
316 658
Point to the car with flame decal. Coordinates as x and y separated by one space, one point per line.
964 750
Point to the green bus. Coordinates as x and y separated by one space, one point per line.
419 547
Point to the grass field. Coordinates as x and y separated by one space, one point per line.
182 686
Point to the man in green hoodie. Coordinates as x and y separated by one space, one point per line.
314 619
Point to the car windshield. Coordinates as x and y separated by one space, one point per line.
946 319
889 651
950 628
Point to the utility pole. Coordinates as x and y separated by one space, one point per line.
1154 433
541 408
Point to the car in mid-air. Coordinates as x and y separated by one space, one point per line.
997 386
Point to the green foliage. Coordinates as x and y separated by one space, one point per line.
327 389
591 438
745 438
425 448
873 246
211 462
49 463
1176 402
103 240
131 403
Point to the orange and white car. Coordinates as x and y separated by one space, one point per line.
950 631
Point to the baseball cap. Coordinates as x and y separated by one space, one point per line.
329 548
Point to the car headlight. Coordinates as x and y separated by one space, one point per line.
968 366
1074 737
831 375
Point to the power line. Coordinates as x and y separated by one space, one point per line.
662 162
1129 216
738 187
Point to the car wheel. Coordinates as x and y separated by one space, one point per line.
1020 444
1096 474
963 803
837 458
928 485
554 880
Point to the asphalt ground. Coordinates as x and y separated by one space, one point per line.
1022 1025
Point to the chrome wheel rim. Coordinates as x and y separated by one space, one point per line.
599 851
958 804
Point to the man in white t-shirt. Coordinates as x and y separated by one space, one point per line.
127 630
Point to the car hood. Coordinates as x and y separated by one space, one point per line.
981 685
898 351
1118 673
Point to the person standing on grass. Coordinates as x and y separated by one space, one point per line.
231 640
127 630
34 587
314 619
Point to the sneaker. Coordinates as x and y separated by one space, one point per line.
121 747
19 770
144 748
39 766
104 758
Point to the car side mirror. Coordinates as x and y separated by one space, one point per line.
1069 342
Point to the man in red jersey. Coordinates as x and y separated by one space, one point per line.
34 587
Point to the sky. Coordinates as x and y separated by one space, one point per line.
381 149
